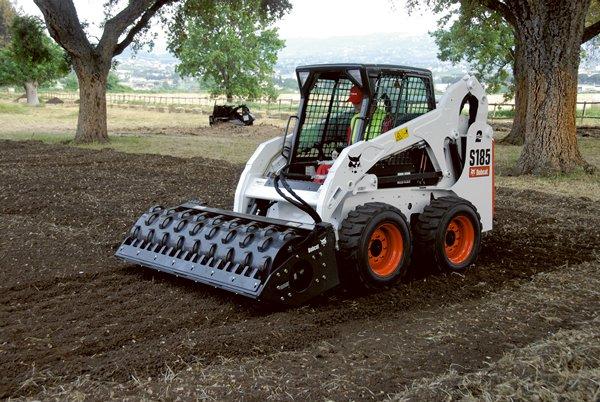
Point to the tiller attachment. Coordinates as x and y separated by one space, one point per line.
262 258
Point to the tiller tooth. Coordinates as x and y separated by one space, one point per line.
262 258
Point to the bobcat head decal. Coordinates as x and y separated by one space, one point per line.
354 163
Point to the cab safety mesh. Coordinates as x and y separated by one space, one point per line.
326 125
327 119
402 98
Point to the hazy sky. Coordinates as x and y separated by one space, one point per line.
310 18
322 18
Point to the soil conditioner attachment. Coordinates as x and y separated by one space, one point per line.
254 256
373 173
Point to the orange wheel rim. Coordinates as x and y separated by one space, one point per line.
460 239
386 247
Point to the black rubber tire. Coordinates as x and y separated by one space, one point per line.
430 233
354 236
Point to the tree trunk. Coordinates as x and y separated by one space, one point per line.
31 88
91 124
517 132
551 32
92 60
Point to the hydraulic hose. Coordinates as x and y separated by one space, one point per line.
298 202
308 209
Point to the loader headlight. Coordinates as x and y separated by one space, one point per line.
356 75
303 76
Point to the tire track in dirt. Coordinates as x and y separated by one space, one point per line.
384 357
115 320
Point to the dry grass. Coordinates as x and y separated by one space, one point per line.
61 119
234 149
577 184
123 119
135 130
563 367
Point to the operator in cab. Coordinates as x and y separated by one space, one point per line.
377 122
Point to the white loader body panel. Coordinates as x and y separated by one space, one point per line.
348 184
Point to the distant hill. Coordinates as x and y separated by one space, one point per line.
156 70
145 70
384 48
162 56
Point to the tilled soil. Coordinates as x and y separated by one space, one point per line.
70 310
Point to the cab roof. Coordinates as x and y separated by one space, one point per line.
363 75
371 69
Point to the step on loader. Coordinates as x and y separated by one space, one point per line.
369 174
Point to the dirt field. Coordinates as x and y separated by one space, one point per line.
78 323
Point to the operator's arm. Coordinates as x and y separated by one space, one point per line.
351 135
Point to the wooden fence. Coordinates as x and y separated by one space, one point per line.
585 110
280 108
287 105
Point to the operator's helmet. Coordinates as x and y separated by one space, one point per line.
356 95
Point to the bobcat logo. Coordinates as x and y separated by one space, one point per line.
354 163
478 136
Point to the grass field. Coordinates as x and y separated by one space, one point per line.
577 184
187 135
138 131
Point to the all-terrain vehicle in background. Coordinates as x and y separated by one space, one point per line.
239 115
371 174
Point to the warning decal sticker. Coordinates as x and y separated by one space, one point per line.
402 134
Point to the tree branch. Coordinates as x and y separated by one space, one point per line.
503 65
590 32
500 8
141 23
64 26
114 27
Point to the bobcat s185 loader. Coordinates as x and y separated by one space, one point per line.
369 173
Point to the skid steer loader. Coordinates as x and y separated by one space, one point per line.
369 174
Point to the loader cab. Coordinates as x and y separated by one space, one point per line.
329 121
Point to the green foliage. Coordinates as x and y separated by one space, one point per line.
31 55
7 13
593 14
591 50
482 39
70 82
114 84
232 46
469 31
287 84
266 10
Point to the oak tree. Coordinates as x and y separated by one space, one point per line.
232 47
484 40
548 37
92 59
31 58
